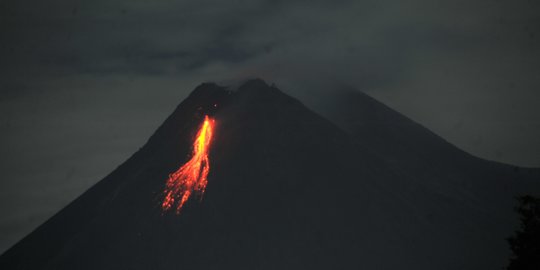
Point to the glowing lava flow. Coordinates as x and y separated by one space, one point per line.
192 176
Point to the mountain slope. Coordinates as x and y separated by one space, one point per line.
418 151
434 164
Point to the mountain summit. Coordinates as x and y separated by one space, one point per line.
287 189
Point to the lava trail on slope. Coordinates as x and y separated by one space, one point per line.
192 176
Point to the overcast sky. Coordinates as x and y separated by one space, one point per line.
85 83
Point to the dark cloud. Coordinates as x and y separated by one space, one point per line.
84 83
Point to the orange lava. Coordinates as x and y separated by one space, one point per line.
192 176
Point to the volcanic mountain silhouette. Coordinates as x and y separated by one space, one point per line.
289 189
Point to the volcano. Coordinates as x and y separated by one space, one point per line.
361 187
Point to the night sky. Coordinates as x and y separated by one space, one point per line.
85 83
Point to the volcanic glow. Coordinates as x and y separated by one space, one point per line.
192 176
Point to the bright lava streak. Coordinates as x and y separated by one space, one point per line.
192 176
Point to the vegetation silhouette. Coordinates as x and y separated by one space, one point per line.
525 244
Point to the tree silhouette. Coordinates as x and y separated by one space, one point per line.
525 244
